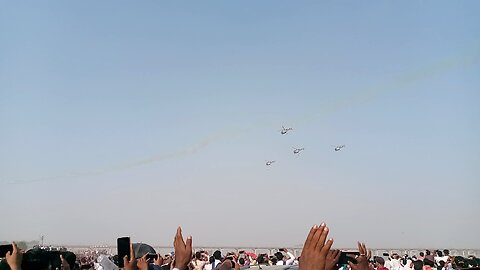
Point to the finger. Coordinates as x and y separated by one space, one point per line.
323 238
125 260
179 236
316 237
9 253
364 249
132 252
352 265
369 254
15 249
308 241
327 246
336 254
360 248
189 243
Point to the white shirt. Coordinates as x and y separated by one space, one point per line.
395 264
289 261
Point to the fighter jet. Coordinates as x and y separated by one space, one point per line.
297 150
338 147
269 162
284 130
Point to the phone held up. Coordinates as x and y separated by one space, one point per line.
4 249
348 256
123 249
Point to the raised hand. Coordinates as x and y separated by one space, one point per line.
183 251
14 259
363 258
332 259
129 264
315 249
142 263
158 260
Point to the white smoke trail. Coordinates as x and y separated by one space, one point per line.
466 59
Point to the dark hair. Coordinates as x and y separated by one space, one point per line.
241 261
198 255
446 252
422 254
279 256
439 253
261 258
35 259
379 260
428 252
217 255
211 259
417 265
428 262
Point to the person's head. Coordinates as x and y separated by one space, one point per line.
198 255
35 259
439 253
167 259
422 254
441 264
217 255
279 256
396 256
211 259
262 259
241 261
418 265
446 252
428 262
428 252
379 261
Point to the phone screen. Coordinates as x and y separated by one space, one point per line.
4 249
123 249
151 256
348 256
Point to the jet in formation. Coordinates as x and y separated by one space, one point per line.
269 162
285 130
338 147
297 150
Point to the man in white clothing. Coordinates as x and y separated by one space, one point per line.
282 260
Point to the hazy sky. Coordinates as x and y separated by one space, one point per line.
130 118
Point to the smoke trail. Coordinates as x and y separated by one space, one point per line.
466 59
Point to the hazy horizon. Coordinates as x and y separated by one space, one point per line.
120 118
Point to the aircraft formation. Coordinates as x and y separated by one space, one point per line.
296 151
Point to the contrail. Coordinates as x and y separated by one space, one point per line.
463 60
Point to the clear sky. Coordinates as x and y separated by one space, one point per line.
130 118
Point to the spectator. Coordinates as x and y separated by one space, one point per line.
197 263
418 265
380 263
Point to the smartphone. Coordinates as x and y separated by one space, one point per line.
123 249
4 249
348 256
151 256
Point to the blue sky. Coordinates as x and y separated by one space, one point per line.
168 110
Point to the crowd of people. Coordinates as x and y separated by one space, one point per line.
317 254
